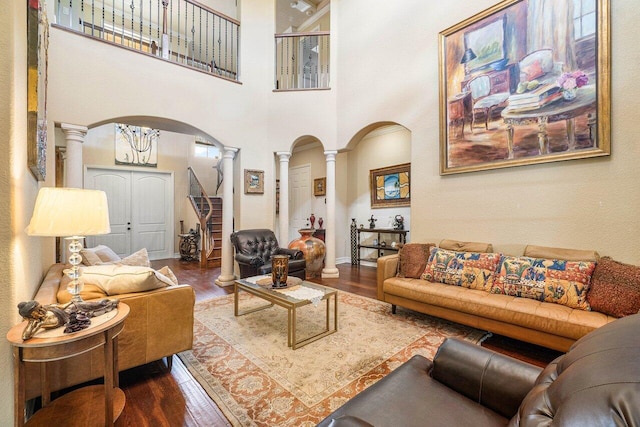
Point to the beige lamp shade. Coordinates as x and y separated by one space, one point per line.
64 212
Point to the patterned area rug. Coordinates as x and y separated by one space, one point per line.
244 363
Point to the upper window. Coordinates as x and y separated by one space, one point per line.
206 150
584 18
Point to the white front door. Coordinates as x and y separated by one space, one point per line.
140 210
299 200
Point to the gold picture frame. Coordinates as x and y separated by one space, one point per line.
507 85
390 186
253 181
37 48
320 186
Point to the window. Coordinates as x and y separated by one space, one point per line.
584 18
206 150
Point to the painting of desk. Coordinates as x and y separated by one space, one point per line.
556 111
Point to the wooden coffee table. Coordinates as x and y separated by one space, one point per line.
276 297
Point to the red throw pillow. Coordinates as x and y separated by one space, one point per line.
533 70
615 288
413 259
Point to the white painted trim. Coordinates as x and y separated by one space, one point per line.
384 130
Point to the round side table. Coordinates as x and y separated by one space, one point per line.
80 406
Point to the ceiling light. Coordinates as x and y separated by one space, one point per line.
301 5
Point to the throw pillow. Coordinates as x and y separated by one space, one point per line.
413 259
88 292
474 270
122 279
615 288
139 258
98 255
533 70
549 280
166 271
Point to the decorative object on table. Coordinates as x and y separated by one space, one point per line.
372 222
570 83
40 316
354 242
72 213
253 181
320 186
277 196
320 222
189 243
390 186
361 226
398 222
312 220
313 250
375 242
383 244
136 145
279 270
547 129
37 59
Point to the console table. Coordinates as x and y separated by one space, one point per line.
81 406
402 238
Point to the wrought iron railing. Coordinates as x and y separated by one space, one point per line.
302 60
180 31
209 212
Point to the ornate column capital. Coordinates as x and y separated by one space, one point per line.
284 156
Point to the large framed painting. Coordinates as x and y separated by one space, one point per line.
37 51
391 186
513 92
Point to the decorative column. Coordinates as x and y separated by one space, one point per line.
330 270
284 198
227 277
74 135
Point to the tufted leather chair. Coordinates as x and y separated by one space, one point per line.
254 249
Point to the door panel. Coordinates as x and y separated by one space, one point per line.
299 199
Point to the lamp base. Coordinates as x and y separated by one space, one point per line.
75 287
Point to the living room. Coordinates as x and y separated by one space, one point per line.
384 70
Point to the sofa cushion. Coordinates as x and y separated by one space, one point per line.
98 255
89 291
474 270
413 259
139 258
550 280
534 251
457 245
615 288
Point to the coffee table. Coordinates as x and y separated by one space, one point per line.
282 299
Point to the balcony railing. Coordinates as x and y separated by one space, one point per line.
180 31
302 61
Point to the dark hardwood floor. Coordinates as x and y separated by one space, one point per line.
157 397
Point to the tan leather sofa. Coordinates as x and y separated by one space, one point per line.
550 325
160 324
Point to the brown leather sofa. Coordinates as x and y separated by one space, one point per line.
597 383
160 324
551 325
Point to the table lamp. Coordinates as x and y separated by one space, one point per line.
71 213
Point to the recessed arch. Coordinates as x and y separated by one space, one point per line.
359 135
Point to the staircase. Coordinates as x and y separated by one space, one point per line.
209 213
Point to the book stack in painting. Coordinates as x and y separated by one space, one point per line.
534 99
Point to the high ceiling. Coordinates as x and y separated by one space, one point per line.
287 16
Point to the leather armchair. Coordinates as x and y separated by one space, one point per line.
254 249
596 383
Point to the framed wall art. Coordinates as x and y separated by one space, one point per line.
514 93
390 186
136 145
320 186
37 51
253 181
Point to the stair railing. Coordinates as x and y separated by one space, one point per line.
199 198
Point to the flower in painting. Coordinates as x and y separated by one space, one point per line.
572 80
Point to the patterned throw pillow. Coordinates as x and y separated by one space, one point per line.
615 288
413 259
472 270
549 280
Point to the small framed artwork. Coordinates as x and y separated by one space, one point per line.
136 146
253 181
320 186
391 186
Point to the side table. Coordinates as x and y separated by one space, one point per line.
80 406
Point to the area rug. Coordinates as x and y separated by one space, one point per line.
244 363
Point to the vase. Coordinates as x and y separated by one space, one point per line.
313 250
279 270
570 94
320 222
